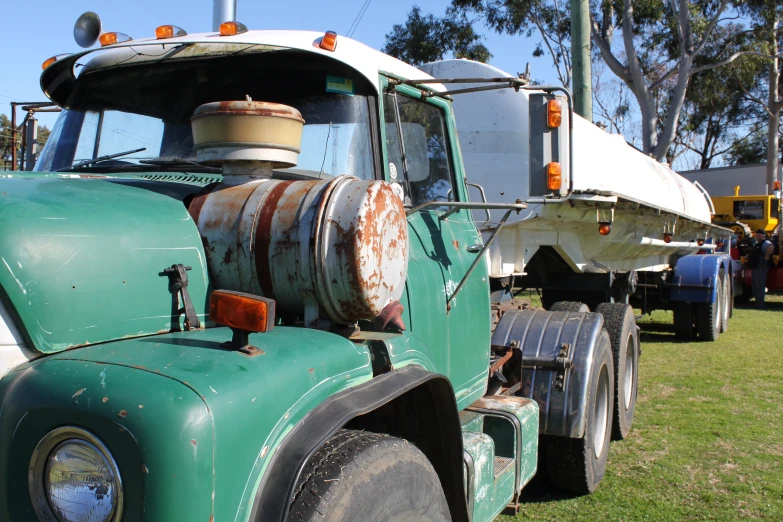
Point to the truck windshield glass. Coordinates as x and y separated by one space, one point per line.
118 114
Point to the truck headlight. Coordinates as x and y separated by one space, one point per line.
73 478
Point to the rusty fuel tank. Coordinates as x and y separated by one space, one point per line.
334 249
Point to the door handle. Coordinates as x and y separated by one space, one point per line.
473 249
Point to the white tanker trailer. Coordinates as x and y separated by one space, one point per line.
605 222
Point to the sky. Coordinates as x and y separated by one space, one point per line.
28 38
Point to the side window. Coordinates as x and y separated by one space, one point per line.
417 146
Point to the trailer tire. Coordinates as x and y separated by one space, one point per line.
357 476
708 315
728 301
578 465
619 322
569 306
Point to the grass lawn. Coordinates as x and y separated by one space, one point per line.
706 443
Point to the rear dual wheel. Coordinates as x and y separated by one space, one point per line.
710 316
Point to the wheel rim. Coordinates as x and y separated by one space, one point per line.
726 299
601 412
630 355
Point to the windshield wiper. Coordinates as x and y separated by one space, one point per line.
177 161
101 158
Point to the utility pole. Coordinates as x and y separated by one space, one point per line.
223 11
13 136
31 142
580 59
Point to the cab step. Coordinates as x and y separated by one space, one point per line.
500 438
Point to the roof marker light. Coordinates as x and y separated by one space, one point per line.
113 38
554 113
53 59
667 238
232 28
169 31
329 41
604 229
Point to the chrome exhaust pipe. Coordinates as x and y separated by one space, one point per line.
223 11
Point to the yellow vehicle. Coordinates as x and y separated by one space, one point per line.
744 214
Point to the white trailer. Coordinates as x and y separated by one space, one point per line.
619 227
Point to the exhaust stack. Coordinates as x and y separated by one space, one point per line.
223 11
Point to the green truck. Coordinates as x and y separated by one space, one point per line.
244 283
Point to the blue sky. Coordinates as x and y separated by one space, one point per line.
31 36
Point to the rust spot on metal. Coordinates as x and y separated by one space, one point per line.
193 441
141 406
78 393
122 414
198 202
227 255
211 518
145 469
311 370
264 452
456 245
105 399
264 233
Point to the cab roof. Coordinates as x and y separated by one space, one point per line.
59 79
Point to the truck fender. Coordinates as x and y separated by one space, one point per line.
366 406
542 337
695 277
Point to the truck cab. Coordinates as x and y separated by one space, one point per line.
244 256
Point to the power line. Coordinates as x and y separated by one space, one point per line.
358 19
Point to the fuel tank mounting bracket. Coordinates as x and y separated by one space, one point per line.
178 286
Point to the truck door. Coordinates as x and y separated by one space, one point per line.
422 158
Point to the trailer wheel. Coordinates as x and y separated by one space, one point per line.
578 465
358 476
619 322
708 315
727 303
569 306
684 328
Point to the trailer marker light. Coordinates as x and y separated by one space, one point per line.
113 38
169 31
554 176
242 311
700 242
232 28
554 113
604 229
776 186
329 41
667 238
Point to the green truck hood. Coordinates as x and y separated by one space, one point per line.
81 259
194 409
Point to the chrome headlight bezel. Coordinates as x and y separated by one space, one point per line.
36 475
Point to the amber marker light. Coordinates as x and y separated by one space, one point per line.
604 229
667 238
554 113
554 176
113 38
700 242
329 41
776 186
169 31
232 28
51 60
242 311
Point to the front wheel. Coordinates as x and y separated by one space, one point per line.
578 465
359 476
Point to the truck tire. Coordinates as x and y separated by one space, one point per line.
708 315
578 465
358 476
684 328
569 306
728 301
619 322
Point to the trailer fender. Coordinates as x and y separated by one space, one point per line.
397 403
541 337
695 277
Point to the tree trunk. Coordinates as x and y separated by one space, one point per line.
775 106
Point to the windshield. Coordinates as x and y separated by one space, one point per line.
336 139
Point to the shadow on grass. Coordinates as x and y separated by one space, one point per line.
652 333
539 491
769 306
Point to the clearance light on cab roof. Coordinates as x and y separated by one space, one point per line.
51 60
554 113
169 31
113 38
604 229
244 314
554 176
232 28
329 41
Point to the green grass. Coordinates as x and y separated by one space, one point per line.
706 443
